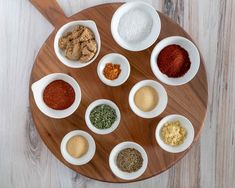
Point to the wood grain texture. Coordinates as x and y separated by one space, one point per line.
26 162
51 11
189 100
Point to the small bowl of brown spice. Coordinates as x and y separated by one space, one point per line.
77 43
113 69
128 160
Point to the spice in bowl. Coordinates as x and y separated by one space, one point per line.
135 25
173 61
78 44
103 116
59 95
111 71
77 146
129 160
173 133
146 98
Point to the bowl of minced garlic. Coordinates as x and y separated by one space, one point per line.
174 133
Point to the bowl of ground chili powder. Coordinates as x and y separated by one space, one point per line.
175 60
57 95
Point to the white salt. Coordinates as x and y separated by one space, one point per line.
135 25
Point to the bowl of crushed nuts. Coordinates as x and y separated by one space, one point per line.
77 43
174 133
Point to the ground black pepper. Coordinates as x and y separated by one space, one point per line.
129 160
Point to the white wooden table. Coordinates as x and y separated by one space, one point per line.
24 159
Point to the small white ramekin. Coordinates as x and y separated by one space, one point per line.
150 39
184 123
87 156
68 27
114 58
92 106
162 99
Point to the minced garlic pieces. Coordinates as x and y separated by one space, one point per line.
173 134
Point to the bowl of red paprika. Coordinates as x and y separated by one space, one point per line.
175 60
57 95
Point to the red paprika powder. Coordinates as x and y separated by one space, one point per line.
59 95
173 61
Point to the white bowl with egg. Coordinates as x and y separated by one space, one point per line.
84 158
68 27
135 26
38 89
97 103
113 158
194 57
114 58
162 99
185 123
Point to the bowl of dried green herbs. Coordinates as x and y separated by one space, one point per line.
102 116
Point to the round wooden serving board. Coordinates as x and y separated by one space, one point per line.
189 100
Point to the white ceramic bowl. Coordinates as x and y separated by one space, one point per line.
114 58
184 123
150 39
92 106
87 156
162 99
38 89
193 55
113 158
68 27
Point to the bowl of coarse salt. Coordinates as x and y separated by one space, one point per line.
135 26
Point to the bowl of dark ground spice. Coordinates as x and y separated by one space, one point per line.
128 160
102 116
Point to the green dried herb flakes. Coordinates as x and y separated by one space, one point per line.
103 116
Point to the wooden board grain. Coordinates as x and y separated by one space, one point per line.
189 100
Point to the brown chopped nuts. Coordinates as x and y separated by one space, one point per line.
79 44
